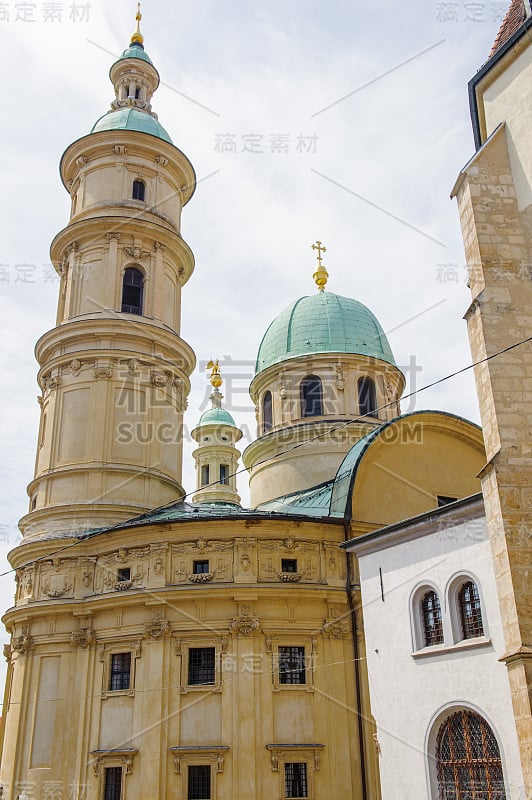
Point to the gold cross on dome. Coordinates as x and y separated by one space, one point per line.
320 248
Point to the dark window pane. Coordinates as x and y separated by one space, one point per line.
367 398
432 621
311 397
201 666
139 189
267 413
205 475
224 474
113 783
199 783
470 611
132 291
200 567
289 565
295 777
292 665
120 673
124 574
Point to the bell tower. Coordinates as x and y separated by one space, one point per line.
114 372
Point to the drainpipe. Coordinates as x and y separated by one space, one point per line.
357 668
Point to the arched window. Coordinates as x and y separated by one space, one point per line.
267 412
132 291
431 619
470 611
367 397
311 397
139 190
468 759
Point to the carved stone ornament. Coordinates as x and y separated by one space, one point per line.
211 753
56 593
75 366
201 577
52 382
335 628
7 653
103 372
245 625
82 638
159 379
120 586
340 382
156 628
119 150
22 644
113 758
137 253
290 577
162 160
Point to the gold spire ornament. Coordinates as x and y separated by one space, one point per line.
321 276
137 37
216 376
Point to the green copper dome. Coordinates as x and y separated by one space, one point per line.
216 415
136 51
131 119
323 323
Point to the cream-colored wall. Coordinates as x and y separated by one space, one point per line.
411 463
507 97
70 616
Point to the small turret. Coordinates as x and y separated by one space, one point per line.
216 456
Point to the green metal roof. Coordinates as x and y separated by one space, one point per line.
323 323
131 119
313 502
216 415
136 51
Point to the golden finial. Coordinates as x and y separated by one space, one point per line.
137 37
216 376
321 276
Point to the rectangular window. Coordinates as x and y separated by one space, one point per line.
201 666
124 574
205 475
295 780
199 783
292 667
289 565
113 783
224 474
120 673
200 567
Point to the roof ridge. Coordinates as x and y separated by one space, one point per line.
514 18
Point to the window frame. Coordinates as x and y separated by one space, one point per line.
267 412
198 756
183 646
454 586
308 643
134 648
416 619
363 382
129 270
304 397
120 758
436 611
139 182
308 754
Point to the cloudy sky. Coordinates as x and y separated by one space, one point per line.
359 113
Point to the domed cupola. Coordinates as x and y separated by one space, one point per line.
216 456
323 362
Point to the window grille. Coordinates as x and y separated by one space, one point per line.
311 397
470 611
292 666
132 291
201 666
199 782
295 778
113 783
432 621
120 673
468 759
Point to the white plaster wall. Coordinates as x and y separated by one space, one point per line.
407 693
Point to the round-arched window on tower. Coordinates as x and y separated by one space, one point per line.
139 190
367 398
311 397
267 412
132 291
468 759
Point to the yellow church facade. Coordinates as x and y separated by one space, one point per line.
200 650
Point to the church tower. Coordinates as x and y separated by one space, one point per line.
114 372
494 193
